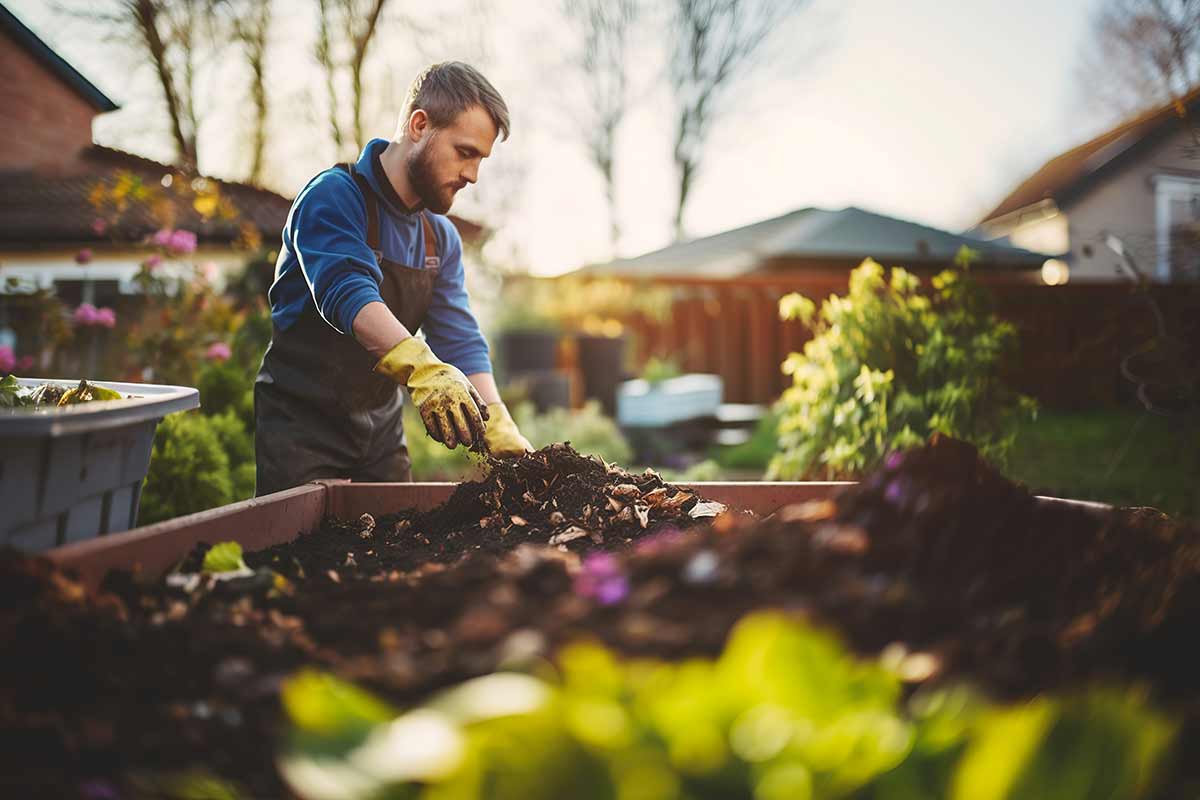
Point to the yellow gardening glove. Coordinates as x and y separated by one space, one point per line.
453 412
502 437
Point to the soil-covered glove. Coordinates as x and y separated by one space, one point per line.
453 412
502 437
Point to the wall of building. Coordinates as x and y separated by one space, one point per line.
43 123
1124 205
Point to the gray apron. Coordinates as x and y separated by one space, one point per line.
319 409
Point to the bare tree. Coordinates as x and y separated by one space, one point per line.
250 21
1141 53
360 26
346 27
328 63
605 28
714 46
168 32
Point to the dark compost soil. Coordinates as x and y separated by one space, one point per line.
935 551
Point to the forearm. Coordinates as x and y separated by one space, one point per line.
378 331
485 384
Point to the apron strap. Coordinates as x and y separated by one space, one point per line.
432 260
432 257
372 207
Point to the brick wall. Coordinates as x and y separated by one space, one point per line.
43 123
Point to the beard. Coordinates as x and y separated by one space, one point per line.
435 197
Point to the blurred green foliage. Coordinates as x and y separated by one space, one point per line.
784 712
588 430
658 369
226 417
888 366
189 470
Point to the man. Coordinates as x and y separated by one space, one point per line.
368 259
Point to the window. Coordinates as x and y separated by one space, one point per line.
98 293
1177 227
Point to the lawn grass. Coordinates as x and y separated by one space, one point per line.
1124 457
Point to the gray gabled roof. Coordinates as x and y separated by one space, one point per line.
814 234
54 62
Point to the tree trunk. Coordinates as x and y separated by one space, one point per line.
146 17
361 42
325 58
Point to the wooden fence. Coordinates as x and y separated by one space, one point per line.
1073 337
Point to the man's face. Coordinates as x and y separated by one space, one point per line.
447 159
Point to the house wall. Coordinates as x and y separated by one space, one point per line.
1048 234
1124 205
47 267
43 123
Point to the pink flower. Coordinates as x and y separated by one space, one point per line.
602 580
182 242
85 314
218 351
152 262
25 363
106 317
99 226
8 359
83 256
209 270
162 237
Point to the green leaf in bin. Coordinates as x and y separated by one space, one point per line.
224 557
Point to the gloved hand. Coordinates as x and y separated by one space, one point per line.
453 412
502 437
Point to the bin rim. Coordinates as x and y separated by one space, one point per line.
152 401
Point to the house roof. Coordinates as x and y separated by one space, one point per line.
21 34
814 234
45 210
39 209
1063 177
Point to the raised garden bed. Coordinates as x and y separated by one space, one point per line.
936 554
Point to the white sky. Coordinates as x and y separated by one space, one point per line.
929 110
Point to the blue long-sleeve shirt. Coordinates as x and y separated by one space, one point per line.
325 261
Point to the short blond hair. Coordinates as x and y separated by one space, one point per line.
445 90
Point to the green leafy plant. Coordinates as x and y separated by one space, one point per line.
224 557
784 712
189 470
13 394
658 369
889 365
238 443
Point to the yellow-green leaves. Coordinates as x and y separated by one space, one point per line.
319 703
784 712
224 557
888 366
796 306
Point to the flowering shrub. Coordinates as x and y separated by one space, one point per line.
87 315
177 242
218 351
888 366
